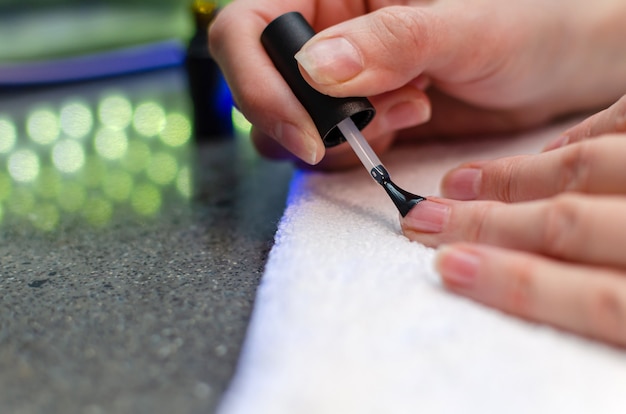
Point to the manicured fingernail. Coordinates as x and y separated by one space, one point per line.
330 61
427 217
298 142
561 141
462 183
407 114
457 267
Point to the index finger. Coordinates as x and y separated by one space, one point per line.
258 89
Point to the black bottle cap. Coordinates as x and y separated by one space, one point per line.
282 39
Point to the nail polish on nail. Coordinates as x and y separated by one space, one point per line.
427 217
297 141
407 114
330 61
462 183
561 141
458 267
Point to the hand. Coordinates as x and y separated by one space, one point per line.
492 66
612 119
542 236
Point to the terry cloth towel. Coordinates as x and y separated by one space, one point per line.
350 316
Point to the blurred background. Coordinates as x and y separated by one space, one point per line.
135 216
101 105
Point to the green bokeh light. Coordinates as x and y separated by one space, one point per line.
163 168
98 211
240 123
7 135
21 202
93 172
137 156
149 119
183 182
76 119
115 112
177 130
48 183
43 126
146 200
71 196
45 216
6 186
110 143
68 156
117 185
23 165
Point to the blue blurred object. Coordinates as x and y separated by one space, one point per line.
97 65
64 41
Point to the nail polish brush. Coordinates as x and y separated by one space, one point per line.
337 119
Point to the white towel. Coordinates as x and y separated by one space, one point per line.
350 316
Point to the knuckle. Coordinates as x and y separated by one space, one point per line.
518 298
481 229
607 315
560 225
504 183
400 27
575 167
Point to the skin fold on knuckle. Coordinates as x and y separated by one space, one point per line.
518 296
607 313
500 181
560 234
575 167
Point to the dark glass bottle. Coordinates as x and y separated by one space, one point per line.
212 101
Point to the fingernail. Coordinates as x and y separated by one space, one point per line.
297 142
427 217
561 141
462 183
407 114
330 61
457 267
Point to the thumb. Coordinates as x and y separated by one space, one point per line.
384 50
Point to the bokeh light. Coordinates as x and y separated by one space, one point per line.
240 123
93 172
23 165
45 216
115 112
6 186
71 196
68 156
43 126
163 168
76 119
7 135
21 202
146 200
117 185
94 156
110 143
98 211
137 156
149 119
48 183
183 182
177 130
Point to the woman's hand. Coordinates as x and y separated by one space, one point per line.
489 66
540 236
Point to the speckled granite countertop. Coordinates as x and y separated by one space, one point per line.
126 290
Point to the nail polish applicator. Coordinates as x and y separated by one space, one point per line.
337 119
